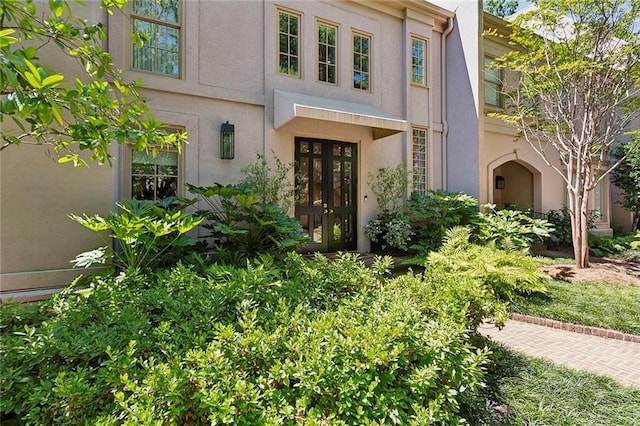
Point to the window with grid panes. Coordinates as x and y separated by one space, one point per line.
289 43
327 53
361 62
154 177
492 83
419 161
160 21
418 61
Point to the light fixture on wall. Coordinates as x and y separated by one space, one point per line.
227 141
499 182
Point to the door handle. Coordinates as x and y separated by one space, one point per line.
325 211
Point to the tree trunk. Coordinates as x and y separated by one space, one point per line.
579 208
584 231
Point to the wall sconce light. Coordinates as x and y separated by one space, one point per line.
499 182
227 141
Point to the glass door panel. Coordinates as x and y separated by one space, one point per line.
326 205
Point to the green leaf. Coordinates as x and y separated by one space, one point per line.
55 111
52 80
5 39
30 52
33 79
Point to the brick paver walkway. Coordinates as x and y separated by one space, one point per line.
614 358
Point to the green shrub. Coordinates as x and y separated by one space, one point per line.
509 229
271 186
299 341
148 234
561 221
392 231
243 226
627 247
505 273
432 214
389 186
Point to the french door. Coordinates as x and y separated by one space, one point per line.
326 205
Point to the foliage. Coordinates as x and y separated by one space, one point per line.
537 392
504 273
598 304
509 229
606 246
303 341
242 225
573 91
501 8
71 115
147 233
432 214
561 221
271 186
627 177
391 231
389 186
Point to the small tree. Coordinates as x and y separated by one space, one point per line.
576 72
389 186
627 177
70 114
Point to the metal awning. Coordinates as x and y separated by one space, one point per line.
289 106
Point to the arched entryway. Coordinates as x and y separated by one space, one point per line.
514 186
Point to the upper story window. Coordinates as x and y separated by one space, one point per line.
361 62
327 53
418 61
419 161
492 83
289 43
160 20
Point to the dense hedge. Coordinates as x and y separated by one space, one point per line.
304 341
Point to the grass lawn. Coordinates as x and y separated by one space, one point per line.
597 304
537 392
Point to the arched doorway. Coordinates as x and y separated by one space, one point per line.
513 186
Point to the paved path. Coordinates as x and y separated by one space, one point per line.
614 358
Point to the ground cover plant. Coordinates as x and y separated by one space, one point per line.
304 341
606 305
532 391
626 247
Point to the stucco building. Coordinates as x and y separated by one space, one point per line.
342 88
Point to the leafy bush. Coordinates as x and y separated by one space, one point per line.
389 186
432 214
271 186
627 247
509 229
561 221
147 232
504 273
390 228
303 341
391 231
243 226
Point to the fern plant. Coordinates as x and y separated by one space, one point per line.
505 273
